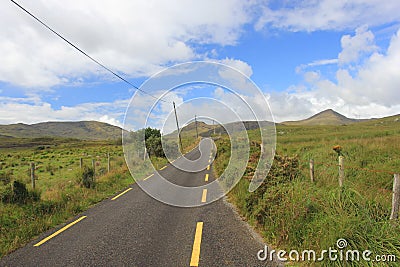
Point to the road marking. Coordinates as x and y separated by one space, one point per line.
173 161
163 168
148 177
194 261
208 167
206 179
59 231
209 161
117 196
204 196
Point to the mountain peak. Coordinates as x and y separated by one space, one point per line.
325 117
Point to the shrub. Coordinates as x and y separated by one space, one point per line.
86 177
17 193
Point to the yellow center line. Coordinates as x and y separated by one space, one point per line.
209 161
148 177
208 167
59 231
204 196
163 168
194 261
206 179
117 196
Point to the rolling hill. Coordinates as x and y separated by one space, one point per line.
84 130
326 117
93 130
206 130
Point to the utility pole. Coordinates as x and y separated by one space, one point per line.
213 127
177 126
195 121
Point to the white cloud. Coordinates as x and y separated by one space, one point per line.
109 120
133 37
239 65
316 63
353 47
311 76
311 15
323 62
367 88
32 110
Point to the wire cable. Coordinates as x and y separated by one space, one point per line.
84 53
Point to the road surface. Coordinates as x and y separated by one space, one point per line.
133 229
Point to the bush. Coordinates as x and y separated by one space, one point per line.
17 193
86 178
284 170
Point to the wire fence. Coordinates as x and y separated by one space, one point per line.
341 167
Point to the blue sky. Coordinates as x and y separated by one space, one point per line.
305 56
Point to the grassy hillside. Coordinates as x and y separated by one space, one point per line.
84 130
293 213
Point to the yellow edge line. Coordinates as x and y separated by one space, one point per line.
148 177
59 231
204 196
117 196
206 179
163 168
208 167
194 261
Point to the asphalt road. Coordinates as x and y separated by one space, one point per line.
134 229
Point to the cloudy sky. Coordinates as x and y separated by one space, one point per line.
305 56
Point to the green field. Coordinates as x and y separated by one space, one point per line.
292 213
59 193
288 210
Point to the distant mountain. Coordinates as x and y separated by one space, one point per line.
85 130
326 117
206 130
203 129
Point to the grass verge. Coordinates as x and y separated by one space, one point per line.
292 213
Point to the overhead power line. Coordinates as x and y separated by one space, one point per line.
84 53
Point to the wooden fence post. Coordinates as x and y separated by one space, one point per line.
341 170
396 197
108 162
81 163
94 168
33 175
312 170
